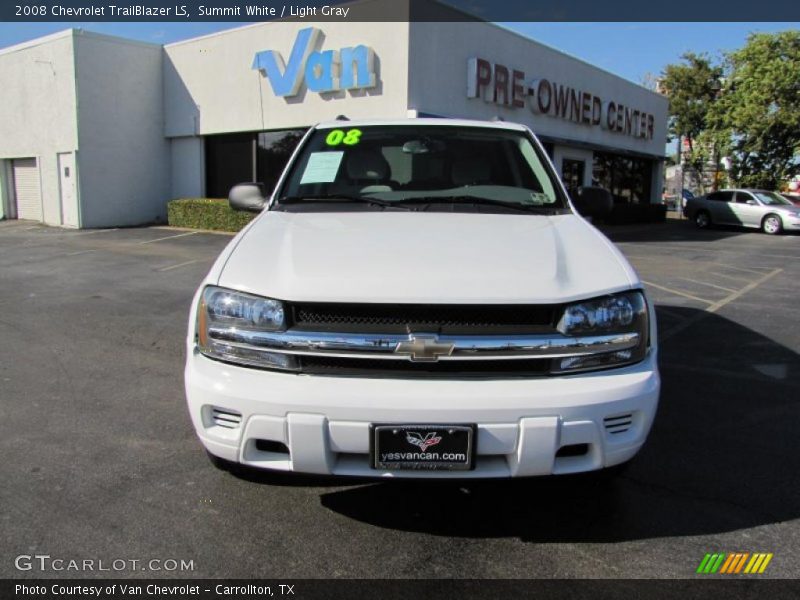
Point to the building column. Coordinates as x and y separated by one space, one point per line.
657 182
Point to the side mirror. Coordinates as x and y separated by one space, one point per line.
247 196
752 202
593 202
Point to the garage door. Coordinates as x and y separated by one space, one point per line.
26 189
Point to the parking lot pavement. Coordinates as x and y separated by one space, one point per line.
100 460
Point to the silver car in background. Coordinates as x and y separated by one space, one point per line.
758 209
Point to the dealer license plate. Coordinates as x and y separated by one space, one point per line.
422 447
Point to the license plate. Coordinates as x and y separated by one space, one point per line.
422 447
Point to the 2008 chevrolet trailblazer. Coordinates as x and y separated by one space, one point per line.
419 298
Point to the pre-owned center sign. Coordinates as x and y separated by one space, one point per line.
498 84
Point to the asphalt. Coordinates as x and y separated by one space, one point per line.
100 460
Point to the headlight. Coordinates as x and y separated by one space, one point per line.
222 313
618 313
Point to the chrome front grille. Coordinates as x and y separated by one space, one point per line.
476 369
391 346
400 340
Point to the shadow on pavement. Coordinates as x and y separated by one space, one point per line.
672 230
722 456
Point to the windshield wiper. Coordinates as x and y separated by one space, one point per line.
340 198
429 200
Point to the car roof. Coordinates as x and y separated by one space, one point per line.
410 122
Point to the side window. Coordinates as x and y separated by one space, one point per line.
743 197
721 196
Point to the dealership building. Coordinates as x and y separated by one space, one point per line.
100 131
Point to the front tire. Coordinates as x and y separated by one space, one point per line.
772 225
702 219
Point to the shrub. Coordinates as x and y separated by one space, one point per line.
206 213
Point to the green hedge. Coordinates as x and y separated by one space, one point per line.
206 213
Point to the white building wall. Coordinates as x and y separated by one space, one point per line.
124 162
188 162
211 87
439 53
37 111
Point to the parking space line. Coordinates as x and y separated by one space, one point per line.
726 276
678 292
718 305
76 232
750 286
178 266
746 270
670 313
719 287
169 237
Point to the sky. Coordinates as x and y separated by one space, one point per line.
631 50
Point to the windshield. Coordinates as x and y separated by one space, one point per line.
771 198
428 164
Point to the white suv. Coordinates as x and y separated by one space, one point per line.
419 298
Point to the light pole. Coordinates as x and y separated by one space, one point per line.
680 166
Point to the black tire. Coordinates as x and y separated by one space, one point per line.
702 219
772 224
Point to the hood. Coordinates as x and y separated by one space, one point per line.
420 257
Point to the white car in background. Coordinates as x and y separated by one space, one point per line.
419 298
757 209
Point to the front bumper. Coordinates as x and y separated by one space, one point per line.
521 423
791 222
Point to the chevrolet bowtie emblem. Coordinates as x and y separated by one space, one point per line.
424 348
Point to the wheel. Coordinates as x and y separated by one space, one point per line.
702 219
772 225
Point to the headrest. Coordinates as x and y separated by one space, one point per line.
470 171
367 164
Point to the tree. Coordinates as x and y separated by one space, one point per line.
758 110
692 88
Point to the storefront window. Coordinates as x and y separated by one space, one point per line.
253 156
229 160
627 178
274 148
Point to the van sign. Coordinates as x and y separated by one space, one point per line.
321 71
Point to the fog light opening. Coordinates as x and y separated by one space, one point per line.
272 446
573 450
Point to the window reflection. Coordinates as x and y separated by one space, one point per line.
628 178
233 158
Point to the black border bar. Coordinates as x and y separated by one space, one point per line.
705 587
399 10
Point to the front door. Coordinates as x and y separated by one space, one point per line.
572 174
67 187
747 214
